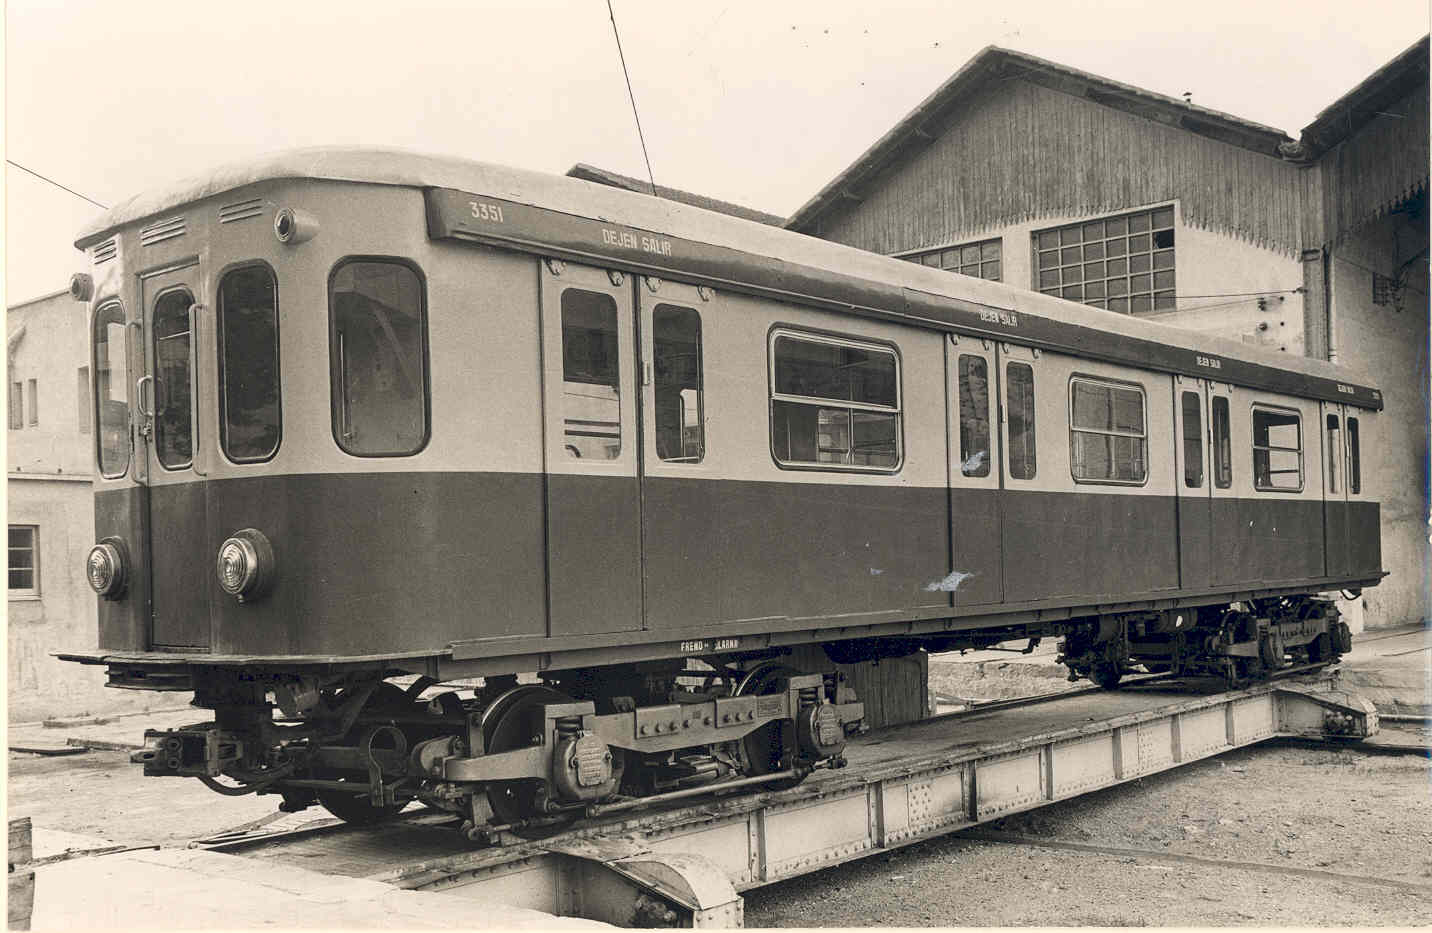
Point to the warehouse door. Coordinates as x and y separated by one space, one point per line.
1195 506
590 450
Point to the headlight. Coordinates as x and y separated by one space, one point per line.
245 565
106 568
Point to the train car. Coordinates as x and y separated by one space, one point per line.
366 415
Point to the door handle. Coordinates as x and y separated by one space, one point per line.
139 395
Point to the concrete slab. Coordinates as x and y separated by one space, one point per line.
192 889
1392 668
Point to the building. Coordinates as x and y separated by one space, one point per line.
1040 175
51 514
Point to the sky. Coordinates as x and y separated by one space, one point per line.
759 103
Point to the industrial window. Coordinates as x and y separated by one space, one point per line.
16 402
677 401
1334 453
834 403
111 370
1277 450
32 404
173 417
1222 444
591 376
1107 432
1120 263
24 560
974 416
250 419
82 394
1019 401
1192 440
1354 458
378 358
981 260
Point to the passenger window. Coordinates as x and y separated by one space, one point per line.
1354 458
1334 453
1222 444
1192 440
250 423
591 376
974 416
677 401
379 358
1019 400
1107 436
111 368
834 403
1277 450
173 424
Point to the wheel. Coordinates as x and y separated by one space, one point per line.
508 723
359 809
762 751
1106 675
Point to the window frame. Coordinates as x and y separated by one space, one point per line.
334 386
1254 447
831 338
918 258
1105 301
657 308
1353 440
98 421
1222 478
1104 381
1198 435
221 389
990 429
1007 468
32 591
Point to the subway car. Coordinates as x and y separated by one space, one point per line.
528 497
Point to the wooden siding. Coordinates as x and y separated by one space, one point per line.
1371 173
1024 152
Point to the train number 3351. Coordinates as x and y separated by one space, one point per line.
483 211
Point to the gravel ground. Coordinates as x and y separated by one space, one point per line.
1359 816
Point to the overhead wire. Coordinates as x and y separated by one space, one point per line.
632 96
83 197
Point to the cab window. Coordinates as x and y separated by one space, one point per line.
173 421
250 424
378 358
111 369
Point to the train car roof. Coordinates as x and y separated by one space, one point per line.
927 295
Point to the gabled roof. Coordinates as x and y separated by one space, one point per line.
600 175
1370 99
992 64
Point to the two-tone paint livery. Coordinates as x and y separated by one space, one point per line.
363 414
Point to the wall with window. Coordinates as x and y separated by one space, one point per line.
49 471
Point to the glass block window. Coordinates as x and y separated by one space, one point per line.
982 260
1119 263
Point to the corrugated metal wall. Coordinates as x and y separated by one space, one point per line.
1023 151
1368 175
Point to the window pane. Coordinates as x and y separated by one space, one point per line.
1117 267
835 371
1049 279
1354 458
379 360
111 366
249 420
1139 244
1094 250
1020 403
1139 304
1092 407
1093 231
1277 450
1163 239
173 440
1106 432
32 402
1192 440
1049 260
1049 239
1070 235
1138 223
676 401
1118 304
1071 255
22 558
1163 260
1222 445
82 386
974 416
990 249
969 254
591 376
1334 454
1163 217
990 270
1163 280
1116 227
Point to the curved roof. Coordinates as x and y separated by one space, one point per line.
592 201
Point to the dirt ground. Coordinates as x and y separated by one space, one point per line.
1348 820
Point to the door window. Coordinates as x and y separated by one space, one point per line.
1019 401
591 376
1192 440
974 416
173 422
1222 444
677 399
